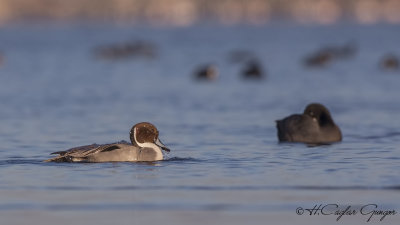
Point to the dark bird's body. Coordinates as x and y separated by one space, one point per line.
314 126
390 62
253 70
206 73
327 55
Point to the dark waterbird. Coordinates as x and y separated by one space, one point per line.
314 126
390 62
253 70
131 49
319 59
327 55
208 72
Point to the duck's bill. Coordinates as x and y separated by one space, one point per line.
161 145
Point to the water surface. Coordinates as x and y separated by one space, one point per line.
226 165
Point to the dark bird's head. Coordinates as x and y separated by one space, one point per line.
319 113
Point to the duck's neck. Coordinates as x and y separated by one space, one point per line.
156 148
159 155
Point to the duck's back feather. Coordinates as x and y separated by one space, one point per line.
90 153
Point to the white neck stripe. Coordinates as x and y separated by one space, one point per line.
134 136
149 145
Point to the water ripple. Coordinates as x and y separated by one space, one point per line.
205 188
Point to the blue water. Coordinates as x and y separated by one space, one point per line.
226 165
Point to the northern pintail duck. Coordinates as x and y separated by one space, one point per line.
314 126
319 59
145 147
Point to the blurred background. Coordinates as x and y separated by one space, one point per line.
213 76
189 12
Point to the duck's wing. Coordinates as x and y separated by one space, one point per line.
80 154
287 126
296 128
86 147
101 148
77 149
